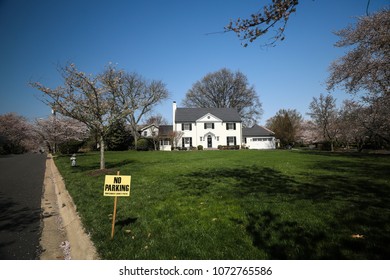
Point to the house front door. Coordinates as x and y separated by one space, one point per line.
209 142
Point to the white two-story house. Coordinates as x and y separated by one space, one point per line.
209 127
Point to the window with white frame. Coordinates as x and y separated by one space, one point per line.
186 126
209 126
165 142
261 139
187 141
231 140
230 126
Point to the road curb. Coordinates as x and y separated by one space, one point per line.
63 232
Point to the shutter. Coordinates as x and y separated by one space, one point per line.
182 126
190 141
204 125
234 127
212 125
190 126
227 126
235 143
227 141
182 142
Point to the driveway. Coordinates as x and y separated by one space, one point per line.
21 182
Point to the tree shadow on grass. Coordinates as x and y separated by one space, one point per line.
352 164
285 239
250 181
246 181
363 207
93 168
282 239
126 222
362 181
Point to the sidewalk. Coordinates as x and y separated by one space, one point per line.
63 235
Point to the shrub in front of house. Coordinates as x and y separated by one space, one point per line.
70 147
144 144
233 147
200 148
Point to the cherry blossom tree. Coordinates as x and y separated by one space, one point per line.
308 133
56 130
134 95
273 16
85 98
325 116
100 101
16 134
365 68
364 71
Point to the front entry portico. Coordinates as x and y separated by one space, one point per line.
209 142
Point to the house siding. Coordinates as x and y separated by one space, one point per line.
211 137
149 131
260 143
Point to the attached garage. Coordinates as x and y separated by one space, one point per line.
258 137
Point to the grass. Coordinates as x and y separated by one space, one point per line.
237 204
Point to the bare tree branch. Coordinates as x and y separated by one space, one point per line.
273 16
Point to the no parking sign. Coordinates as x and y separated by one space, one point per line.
115 185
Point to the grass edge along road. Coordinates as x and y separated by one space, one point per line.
237 204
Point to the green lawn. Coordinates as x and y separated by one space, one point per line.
237 204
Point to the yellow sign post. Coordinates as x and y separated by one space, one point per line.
116 185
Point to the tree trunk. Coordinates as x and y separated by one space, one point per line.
102 161
135 136
360 145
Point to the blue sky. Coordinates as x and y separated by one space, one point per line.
167 40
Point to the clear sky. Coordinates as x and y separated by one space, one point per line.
167 40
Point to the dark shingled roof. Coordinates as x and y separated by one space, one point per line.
193 114
256 131
164 130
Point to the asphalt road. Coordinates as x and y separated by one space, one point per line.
21 187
